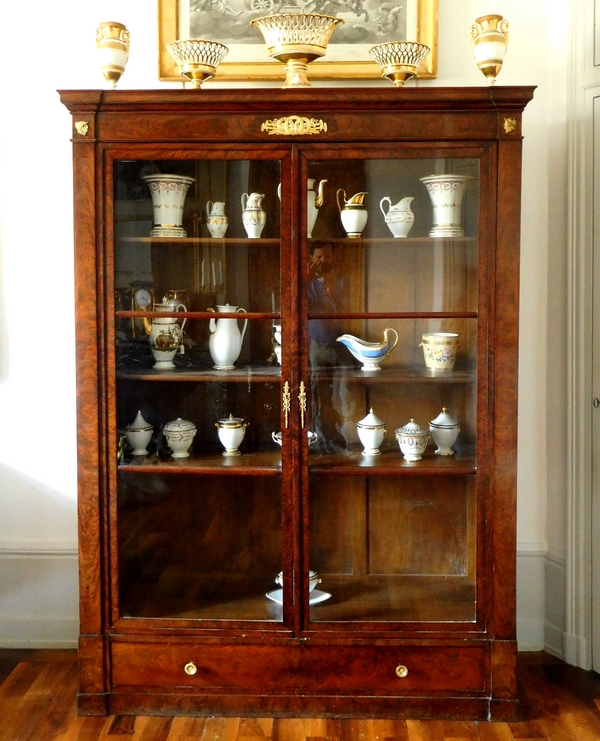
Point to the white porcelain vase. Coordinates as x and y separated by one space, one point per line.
112 43
225 342
168 196
446 193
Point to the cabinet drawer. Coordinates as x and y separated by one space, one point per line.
300 668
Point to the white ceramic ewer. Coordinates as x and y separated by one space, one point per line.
353 214
399 217
225 342
254 217
216 221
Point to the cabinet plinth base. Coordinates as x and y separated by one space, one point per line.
92 704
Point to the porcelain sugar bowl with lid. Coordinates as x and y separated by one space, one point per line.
444 431
412 440
371 431
179 435
231 431
139 434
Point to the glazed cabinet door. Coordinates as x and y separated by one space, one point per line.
394 370
198 273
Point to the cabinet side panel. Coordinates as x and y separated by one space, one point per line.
506 342
86 334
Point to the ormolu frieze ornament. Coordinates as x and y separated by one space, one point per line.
510 125
82 127
294 126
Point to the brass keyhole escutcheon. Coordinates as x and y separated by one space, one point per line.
401 671
190 668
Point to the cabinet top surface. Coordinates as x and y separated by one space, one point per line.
324 98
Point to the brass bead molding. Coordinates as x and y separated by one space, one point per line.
294 126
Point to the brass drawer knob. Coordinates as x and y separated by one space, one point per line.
401 671
190 668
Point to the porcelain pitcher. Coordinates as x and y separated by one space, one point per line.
216 221
253 216
313 204
354 215
400 217
225 343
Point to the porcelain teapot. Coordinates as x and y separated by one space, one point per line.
400 217
354 215
216 221
225 342
253 214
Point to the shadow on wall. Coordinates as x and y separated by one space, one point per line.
3 324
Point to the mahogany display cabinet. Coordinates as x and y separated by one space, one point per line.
290 573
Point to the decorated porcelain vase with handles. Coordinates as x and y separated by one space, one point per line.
399 217
166 335
225 342
253 214
216 221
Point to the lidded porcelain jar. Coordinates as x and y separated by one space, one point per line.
139 434
231 432
444 430
412 440
371 431
313 579
179 435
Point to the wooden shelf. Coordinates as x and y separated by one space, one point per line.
392 375
226 242
252 374
396 241
390 462
263 463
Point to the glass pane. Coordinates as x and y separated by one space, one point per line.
393 346
197 276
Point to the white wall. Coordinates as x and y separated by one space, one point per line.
38 586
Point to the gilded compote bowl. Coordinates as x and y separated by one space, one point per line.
296 39
399 60
197 59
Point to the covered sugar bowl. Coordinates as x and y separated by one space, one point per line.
231 432
139 434
412 440
179 435
444 431
371 431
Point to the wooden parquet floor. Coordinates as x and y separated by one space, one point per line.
37 703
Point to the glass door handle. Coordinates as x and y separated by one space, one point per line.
286 401
302 403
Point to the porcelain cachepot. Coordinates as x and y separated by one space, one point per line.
412 440
399 217
179 435
371 431
139 434
446 193
231 431
168 196
439 350
444 431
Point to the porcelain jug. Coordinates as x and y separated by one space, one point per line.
216 221
225 343
253 216
354 215
313 204
400 217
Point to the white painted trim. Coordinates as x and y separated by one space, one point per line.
577 640
38 548
24 632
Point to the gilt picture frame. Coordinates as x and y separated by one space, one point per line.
366 23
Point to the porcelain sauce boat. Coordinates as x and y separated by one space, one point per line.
370 354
